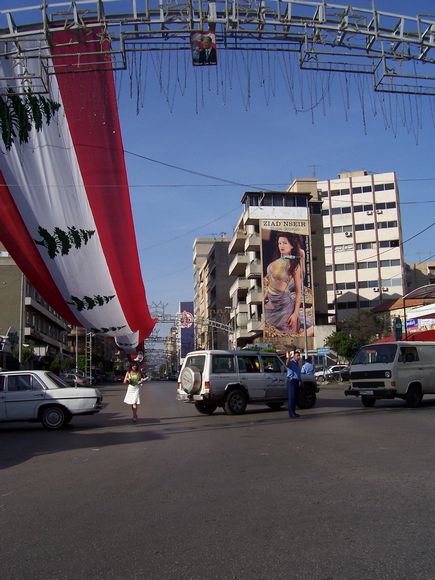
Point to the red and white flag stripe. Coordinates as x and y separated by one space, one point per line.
65 215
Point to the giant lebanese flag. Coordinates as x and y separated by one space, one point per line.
65 212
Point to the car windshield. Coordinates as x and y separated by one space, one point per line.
375 354
58 381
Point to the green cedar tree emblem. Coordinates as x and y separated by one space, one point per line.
18 113
88 302
109 329
61 241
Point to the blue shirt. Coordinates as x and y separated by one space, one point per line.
294 370
307 368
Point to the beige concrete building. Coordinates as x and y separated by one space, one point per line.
419 274
363 242
211 292
264 216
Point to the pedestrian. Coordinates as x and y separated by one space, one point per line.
307 367
134 379
293 378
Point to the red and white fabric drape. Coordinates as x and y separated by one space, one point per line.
65 212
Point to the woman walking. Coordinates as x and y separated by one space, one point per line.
134 379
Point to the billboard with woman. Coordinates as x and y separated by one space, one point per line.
287 283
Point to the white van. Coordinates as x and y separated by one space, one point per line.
233 378
403 370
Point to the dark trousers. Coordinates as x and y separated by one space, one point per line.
292 392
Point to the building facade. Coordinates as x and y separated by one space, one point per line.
267 220
363 242
211 298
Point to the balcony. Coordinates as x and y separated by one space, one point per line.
255 326
253 269
240 286
237 242
254 296
238 265
252 242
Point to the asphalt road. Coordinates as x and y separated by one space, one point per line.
344 492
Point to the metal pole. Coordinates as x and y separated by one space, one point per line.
20 330
77 348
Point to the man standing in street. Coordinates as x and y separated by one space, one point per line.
307 367
293 378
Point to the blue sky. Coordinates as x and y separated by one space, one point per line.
199 120
267 145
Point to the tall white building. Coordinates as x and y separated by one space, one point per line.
363 241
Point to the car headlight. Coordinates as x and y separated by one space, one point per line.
388 374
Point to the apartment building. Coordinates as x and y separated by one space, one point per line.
26 316
211 290
362 236
267 216
419 274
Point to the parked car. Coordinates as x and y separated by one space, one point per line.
334 373
75 379
232 379
43 396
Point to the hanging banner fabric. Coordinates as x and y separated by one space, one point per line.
68 221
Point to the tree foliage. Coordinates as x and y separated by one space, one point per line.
19 113
354 332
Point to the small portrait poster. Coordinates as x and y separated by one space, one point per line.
203 46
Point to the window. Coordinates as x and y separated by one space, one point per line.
408 354
389 186
197 361
367 189
356 189
22 383
2 383
248 364
223 364
271 364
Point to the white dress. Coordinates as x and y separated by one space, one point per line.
132 396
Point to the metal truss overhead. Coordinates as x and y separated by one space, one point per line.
396 50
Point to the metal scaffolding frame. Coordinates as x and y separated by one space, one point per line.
396 50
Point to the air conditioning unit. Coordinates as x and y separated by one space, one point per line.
348 234
385 289
339 292
375 289
369 212
379 211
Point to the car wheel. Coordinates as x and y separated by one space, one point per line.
235 403
306 397
275 406
190 380
206 407
413 396
368 401
53 417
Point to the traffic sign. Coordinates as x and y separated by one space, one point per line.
323 351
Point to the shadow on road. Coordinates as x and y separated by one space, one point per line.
19 443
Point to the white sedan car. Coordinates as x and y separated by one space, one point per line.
43 396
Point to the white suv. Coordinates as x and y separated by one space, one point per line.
232 379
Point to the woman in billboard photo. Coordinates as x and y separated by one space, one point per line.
283 286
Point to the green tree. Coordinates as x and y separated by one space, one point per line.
344 344
354 332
